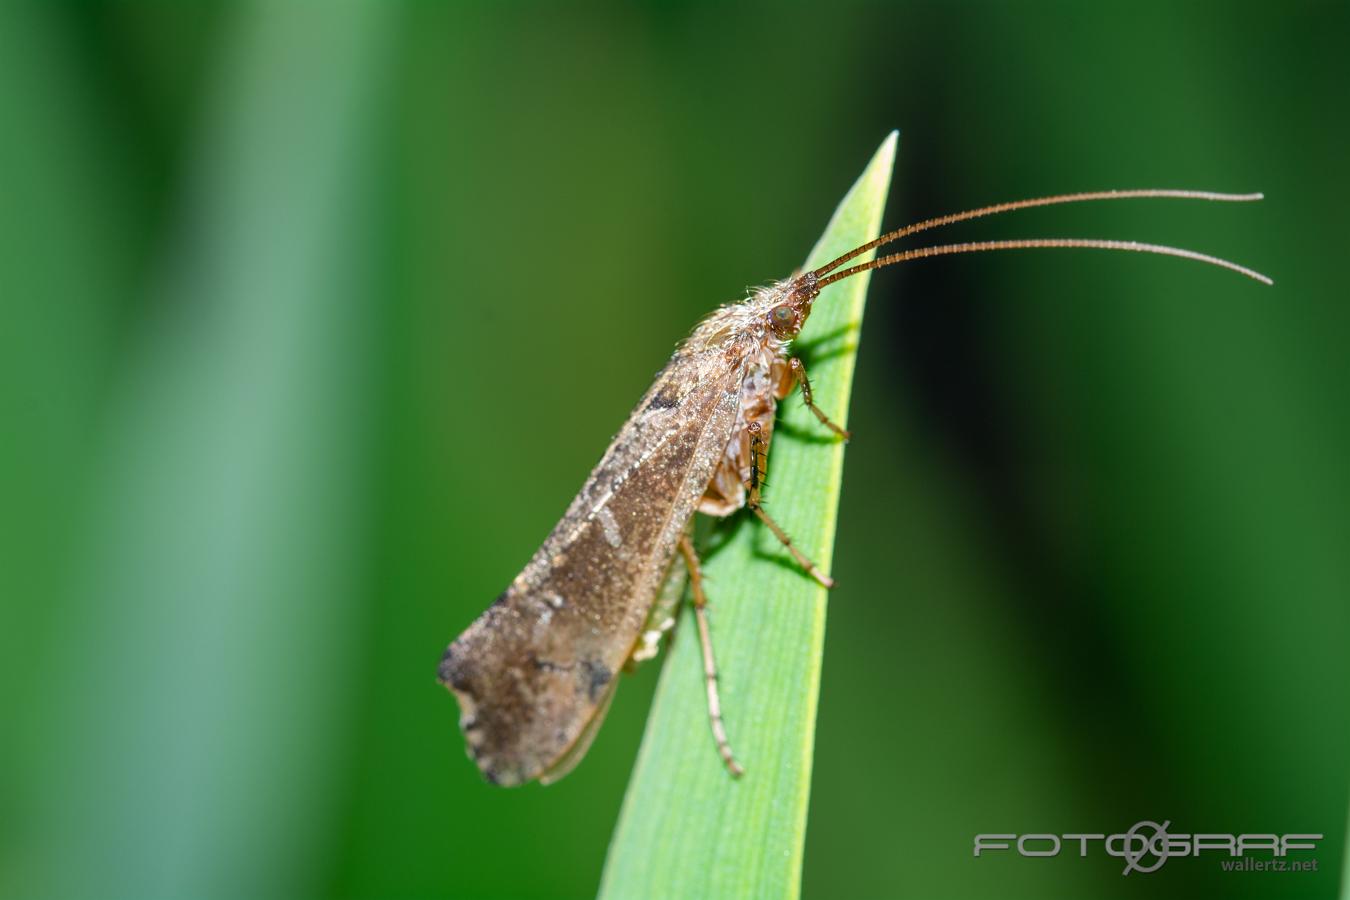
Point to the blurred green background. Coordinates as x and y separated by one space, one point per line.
316 316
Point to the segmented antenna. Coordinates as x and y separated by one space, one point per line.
824 277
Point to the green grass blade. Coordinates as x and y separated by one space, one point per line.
687 829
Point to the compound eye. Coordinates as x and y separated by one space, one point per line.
782 315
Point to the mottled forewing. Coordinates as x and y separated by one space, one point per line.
534 669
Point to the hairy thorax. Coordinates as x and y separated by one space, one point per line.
762 358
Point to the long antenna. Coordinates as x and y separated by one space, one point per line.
1056 200
1034 243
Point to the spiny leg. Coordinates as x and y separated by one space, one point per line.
753 486
799 372
709 666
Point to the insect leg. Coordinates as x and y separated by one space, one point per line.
662 617
753 485
798 369
709 666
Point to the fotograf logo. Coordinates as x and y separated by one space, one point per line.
1147 845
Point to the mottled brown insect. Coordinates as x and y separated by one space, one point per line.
535 673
